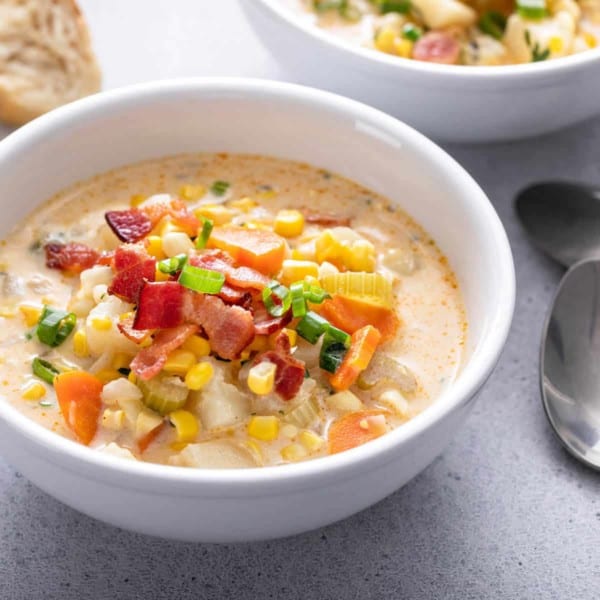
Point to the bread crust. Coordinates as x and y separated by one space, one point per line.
46 58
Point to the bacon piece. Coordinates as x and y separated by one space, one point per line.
71 258
177 210
239 277
264 323
437 47
231 295
229 328
128 225
150 361
160 305
289 373
326 219
134 266
135 335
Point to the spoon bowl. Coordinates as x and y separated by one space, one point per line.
563 219
570 362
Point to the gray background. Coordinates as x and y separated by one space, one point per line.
503 513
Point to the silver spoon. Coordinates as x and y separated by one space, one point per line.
563 219
570 362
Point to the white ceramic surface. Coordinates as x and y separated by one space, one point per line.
162 118
446 102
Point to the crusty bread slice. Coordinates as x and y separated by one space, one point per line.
46 58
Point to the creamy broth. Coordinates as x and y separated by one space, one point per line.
428 345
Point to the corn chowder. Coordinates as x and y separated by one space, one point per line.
224 311
469 32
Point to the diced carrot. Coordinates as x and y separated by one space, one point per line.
351 314
144 442
362 347
355 429
78 396
260 249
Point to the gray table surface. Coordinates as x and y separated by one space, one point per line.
503 513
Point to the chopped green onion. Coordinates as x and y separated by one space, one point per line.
44 370
411 32
337 335
172 265
398 6
333 349
316 294
219 188
493 23
312 327
204 234
54 326
201 280
277 299
532 9
298 300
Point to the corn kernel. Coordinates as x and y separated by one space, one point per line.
294 452
106 375
198 345
136 200
258 225
199 375
192 192
186 425
259 343
297 254
590 39
31 314
344 401
121 361
556 44
384 41
261 378
289 223
113 419
101 323
255 449
80 345
244 204
180 361
311 441
296 270
167 226
176 242
34 391
217 213
289 431
154 246
267 194
264 428
403 47
132 377
7 312
360 256
160 276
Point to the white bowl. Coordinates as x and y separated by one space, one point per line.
283 120
447 102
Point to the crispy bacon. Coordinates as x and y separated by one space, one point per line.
231 295
150 361
177 210
137 336
239 277
128 225
229 328
160 305
264 323
134 266
71 258
289 373
326 219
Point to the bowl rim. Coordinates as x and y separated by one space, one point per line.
473 374
384 61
